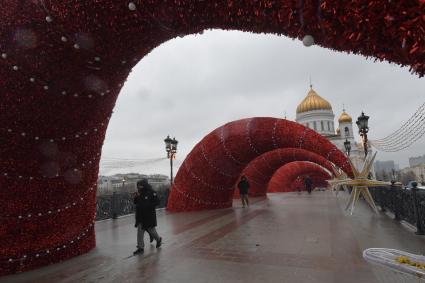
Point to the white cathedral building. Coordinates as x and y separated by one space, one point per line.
316 113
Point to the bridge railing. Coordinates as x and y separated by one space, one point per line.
405 204
118 204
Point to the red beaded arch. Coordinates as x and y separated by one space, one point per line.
63 64
261 169
207 177
319 181
283 179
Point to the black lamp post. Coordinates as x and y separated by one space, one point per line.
123 183
171 148
347 146
362 123
347 132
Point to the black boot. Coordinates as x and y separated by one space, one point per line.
138 251
159 242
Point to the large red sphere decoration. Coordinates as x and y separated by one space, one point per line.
207 177
261 169
284 179
63 63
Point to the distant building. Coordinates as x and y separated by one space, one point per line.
415 161
385 170
127 182
108 184
158 180
385 166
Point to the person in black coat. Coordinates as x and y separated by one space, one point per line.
146 201
308 184
243 186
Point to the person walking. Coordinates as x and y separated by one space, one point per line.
146 201
243 186
308 183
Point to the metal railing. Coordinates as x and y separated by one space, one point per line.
118 204
406 204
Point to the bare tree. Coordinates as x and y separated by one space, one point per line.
407 177
384 176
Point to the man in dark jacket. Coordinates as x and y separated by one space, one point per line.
146 201
243 186
308 183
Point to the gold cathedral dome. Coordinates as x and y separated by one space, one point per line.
313 102
345 118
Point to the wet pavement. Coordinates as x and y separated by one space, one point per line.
286 237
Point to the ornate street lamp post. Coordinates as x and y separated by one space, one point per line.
362 123
347 132
347 146
123 184
171 148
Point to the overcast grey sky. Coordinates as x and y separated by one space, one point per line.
189 86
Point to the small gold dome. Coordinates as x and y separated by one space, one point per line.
313 102
345 118
338 131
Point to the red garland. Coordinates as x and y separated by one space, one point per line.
285 179
63 63
261 169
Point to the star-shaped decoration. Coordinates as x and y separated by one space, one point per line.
360 184
339 176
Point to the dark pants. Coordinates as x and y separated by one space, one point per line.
141 232
244 198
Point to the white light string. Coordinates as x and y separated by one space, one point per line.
328 155
406 135
274 134
176 188
53 211
251 165
36 80
266 161
17 176
215 167
194 176
78 135
226 150
302 138
411 120
300 145
52 250
64 38
250 178
413 129
118 163
248 136
274 144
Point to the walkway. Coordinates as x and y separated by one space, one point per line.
285 238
